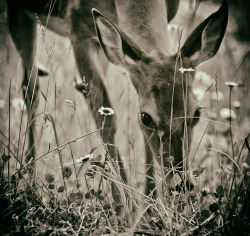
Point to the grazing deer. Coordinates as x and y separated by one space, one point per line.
132 35
168 107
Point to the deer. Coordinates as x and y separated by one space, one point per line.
131 35
168 108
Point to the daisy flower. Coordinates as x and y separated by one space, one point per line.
182 70
236 104
226 114
85 158
232 84
18 104
205 191
106 111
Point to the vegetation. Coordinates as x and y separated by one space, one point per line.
215 206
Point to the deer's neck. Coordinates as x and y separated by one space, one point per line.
145 22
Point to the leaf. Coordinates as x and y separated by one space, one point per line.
98 158
216 195
107 206
98 192
72 197
5 157
92 191
198 172
79 195
66 172
205 213
87 195
119 209
101 198
90 174
93 149
60 189
51 186
49 178
97 161
214 207
220 191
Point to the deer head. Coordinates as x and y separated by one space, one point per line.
168 108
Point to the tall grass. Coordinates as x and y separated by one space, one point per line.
83 200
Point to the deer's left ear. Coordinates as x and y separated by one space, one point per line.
117 46
205 40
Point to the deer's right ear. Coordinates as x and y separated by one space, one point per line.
118 48
205 40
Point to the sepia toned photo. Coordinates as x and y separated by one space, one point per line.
124 117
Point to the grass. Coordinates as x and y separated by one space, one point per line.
50 209
76 188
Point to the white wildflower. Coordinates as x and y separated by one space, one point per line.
18 104
85 158
205 190
231 84
236 104
106 111
182 70
227 114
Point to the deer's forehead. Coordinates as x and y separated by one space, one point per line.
160 88
169 102
146 75
158 79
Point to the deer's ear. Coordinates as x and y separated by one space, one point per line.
118 48
205 40
172 8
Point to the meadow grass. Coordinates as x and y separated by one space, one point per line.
78 198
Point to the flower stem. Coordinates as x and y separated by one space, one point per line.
103 124
230 121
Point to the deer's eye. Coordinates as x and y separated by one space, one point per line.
147 120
